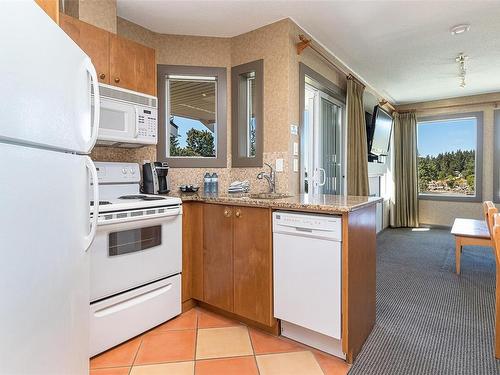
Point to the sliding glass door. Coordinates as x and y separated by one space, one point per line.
321 144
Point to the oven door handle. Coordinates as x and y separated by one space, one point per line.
89 238
170 213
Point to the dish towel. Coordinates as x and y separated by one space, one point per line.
239 187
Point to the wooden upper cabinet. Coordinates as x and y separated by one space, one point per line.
146 70
51 7
92 40
132 65
218 256
253 272
118 61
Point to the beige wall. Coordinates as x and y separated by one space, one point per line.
275 44
100 13
441 212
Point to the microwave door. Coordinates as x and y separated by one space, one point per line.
118 122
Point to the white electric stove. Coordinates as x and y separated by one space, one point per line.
135 259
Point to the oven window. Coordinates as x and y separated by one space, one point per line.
130 241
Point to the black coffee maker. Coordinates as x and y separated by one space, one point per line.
154 178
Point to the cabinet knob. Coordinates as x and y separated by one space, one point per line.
102 76
237 213
227 212
117 79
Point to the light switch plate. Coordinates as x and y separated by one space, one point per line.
295 165
279 165
295 149
294 129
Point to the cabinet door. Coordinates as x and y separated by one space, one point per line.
218 256
92 40
132 65
253 264
122 62
51 7
146 70
192 251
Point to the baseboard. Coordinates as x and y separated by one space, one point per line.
274 329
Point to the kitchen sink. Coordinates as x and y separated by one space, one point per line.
268 196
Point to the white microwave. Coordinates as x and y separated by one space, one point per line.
128 119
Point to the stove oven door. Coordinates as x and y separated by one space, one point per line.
127 255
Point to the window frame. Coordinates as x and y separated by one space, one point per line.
478 173
496 155
239 126
220 160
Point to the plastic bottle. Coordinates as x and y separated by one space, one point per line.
215 183
206 183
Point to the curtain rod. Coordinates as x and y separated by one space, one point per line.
445 106
304 43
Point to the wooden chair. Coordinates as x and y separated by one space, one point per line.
496 241
471 232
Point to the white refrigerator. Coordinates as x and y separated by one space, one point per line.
47 128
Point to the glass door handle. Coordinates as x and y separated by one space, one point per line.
322 180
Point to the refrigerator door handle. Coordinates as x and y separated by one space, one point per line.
95 208
97 103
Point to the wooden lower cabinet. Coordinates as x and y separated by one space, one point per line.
227 257
218 256
252 259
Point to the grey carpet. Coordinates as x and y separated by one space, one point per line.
429 320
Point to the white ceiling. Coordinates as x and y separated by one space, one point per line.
402 48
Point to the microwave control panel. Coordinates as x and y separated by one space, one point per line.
147 123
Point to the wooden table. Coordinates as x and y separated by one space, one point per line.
469 232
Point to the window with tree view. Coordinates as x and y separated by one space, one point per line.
192 114
446 150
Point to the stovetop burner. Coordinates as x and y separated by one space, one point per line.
141 196
101 203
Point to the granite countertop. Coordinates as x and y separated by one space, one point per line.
320 203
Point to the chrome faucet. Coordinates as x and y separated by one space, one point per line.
271 178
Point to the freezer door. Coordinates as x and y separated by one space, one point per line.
45 94
44 268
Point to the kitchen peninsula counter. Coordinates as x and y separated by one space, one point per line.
322 203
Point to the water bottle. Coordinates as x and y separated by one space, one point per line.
215 184
206 183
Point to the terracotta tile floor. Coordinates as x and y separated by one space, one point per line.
203 343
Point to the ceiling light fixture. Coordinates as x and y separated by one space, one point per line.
461 59
460 29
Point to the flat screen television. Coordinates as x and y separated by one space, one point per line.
378 132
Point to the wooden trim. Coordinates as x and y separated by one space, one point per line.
359 244
188 305
272 329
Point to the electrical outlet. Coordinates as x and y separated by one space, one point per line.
295 165
294 129
295 149
279 165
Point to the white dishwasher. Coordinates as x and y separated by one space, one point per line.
307 265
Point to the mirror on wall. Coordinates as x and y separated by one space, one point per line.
247 116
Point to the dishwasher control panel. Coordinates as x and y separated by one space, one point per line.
317 225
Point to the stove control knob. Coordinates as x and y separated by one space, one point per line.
124 171
132 171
